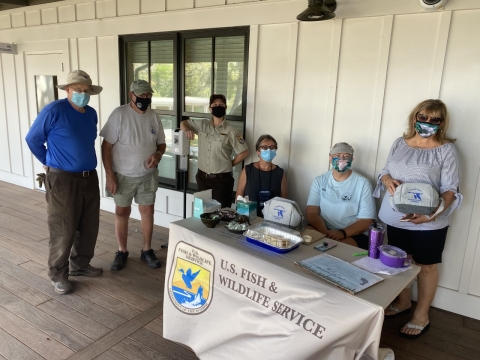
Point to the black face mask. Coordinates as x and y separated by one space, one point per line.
142 103
219 111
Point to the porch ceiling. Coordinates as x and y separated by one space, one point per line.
12 4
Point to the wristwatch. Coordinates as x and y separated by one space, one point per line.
343 232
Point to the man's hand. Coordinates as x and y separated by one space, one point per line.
45 167
111 184
153 160
334 235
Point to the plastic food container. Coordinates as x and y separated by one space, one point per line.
236 227
393 256
273 237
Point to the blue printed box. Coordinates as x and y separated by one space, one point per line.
249 209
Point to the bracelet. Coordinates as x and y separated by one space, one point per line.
343 232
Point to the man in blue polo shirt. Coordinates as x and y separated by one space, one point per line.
69 128
340 203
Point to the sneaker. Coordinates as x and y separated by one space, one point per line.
88 271
150 258
119 261
62 287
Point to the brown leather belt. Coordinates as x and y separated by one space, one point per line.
81 174
215 176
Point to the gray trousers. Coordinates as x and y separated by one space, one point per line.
73 219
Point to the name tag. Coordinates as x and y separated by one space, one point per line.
263 195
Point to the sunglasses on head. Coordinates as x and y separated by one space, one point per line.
433 120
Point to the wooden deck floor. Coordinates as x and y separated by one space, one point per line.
119 314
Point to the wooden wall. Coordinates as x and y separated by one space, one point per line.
310 85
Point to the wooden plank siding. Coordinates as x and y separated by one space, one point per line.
119 314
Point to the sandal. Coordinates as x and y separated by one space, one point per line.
397 311
423 330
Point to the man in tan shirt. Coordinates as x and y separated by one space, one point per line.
217 139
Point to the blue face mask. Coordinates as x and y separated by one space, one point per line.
341 165
268 155
80 99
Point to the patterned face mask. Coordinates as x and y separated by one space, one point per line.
341 165
425 129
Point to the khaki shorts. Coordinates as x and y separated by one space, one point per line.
143 189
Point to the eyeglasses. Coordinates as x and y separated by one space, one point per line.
265 147
217 105
433 120
78 90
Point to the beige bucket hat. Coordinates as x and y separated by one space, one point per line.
81 77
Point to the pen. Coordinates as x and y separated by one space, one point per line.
361 253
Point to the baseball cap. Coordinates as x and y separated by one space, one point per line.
139 87
342 147
81 77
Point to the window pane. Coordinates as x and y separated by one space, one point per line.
193 158
198 74
229 66
161 74
166 168
137 61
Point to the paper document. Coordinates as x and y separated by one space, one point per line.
340 273
377 267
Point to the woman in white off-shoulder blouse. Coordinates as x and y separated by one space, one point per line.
425 154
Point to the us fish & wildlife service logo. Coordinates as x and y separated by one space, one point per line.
279 212
190 283
417 195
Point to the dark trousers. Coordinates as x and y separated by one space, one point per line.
73 219
222 188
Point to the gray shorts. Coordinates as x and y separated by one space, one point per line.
143 189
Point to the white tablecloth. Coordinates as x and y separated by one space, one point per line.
227 304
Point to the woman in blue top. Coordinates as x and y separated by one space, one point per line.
425 154
340 203
263 180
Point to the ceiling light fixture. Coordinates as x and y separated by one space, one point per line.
318 10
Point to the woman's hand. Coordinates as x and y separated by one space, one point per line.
334 235
390 183
420 219
189 134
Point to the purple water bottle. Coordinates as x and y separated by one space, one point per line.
376 234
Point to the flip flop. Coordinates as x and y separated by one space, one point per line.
397 311
423 330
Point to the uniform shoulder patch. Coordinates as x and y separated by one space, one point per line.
240 139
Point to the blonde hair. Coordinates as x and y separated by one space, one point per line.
430 107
